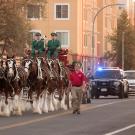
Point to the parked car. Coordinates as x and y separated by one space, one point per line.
130 76
109 81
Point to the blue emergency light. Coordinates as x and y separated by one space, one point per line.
100 69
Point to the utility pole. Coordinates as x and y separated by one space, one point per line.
123 49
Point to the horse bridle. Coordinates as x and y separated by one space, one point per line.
27 60
11 60
14 63
39 59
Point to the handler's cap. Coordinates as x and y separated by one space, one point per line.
38 34
53 34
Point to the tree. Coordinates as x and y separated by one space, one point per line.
125 26
14 28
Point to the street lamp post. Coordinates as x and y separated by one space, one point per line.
123 49
93 28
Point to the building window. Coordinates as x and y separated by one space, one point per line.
61 11
63 36
34 12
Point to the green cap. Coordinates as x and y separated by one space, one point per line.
53 34
38 34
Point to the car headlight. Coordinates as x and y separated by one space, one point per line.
116 83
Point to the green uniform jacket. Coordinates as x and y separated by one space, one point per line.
37 45
53 45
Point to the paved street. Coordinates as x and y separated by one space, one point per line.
54 50
102 117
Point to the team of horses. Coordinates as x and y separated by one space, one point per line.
38 84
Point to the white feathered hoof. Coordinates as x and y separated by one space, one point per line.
1 113
70 100
64 106
45 110
23 106
16 97
1 110
6 111
51 107
56 103
39 111
41 102
45 107
36 107
19 111
28 106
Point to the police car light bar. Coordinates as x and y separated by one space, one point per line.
111 68
101 68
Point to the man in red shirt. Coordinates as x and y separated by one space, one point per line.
77 79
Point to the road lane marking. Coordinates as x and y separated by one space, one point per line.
83 108
120 130
106 104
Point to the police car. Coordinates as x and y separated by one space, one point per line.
109 81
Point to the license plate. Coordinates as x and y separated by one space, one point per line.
103 90
103 83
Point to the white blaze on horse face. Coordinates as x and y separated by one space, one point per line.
27 66
39 62
39 69
50 64
10 65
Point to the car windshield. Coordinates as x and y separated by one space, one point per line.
130 75
105 74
